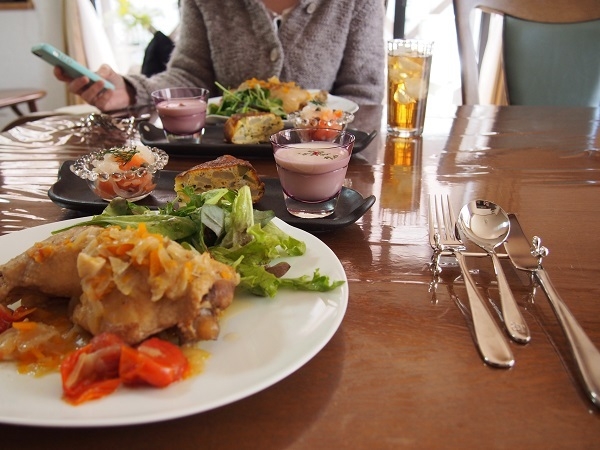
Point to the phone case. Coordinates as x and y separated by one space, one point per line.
71 67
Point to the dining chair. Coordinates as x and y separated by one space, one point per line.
550 50
13 98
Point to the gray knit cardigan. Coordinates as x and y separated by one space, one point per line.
336 45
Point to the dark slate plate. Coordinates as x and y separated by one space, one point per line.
350 207
213 144
72 192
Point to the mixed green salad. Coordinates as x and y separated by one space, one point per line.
224 223
256 99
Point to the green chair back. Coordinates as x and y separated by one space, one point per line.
552 64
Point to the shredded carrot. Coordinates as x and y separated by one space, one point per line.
120 249
156 266
142 230
40 252
226 275
37 354
25 325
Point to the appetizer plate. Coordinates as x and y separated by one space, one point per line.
72 192
351 206
333 102
262 341
213 143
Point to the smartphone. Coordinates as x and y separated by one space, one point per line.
69 66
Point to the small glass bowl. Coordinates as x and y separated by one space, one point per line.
133 184
300 119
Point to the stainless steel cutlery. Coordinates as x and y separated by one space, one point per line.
586 355
486 225
490 341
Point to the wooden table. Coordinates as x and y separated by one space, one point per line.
402 370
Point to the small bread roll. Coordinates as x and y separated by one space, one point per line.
251 128
224 172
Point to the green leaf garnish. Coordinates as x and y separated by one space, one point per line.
256 99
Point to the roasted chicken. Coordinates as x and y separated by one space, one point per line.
125 281
48 269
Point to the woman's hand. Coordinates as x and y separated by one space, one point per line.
95 93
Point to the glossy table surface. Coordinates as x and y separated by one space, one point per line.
402 370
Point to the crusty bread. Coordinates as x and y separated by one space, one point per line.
224 172
251 128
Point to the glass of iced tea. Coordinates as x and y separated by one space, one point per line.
409 66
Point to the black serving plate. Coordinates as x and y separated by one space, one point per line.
350 207
72 192
213 143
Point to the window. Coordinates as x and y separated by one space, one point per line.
130 25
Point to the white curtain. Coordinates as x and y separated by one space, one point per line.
86 39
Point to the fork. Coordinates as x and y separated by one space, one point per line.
489 339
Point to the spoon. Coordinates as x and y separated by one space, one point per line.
487 225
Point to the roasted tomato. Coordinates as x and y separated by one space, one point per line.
134 186
155 362
92 371
97 369
325 134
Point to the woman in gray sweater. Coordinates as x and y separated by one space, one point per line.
333 45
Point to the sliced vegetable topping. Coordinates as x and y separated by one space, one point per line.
99 368
224 223
92 371
8 317
154 362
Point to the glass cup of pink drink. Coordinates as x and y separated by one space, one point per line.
312 164
182 112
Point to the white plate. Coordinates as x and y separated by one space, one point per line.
333 102
262 341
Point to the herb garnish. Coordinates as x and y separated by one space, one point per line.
122 154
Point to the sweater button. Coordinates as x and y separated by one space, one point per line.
274 55
311 8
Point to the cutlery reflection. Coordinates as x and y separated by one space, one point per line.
449 279
490 341
586 355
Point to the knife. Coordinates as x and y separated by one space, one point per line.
587 356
